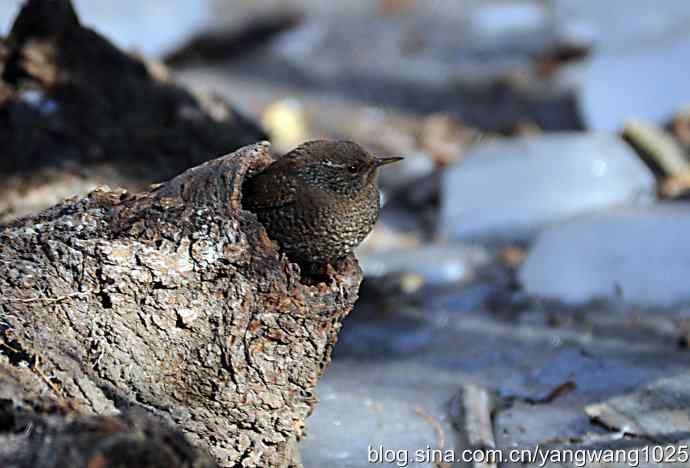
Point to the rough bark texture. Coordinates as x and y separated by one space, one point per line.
76 112
38 431
174 301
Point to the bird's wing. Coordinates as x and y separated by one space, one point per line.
271 189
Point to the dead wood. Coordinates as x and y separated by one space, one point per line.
172 301
38 431
77 112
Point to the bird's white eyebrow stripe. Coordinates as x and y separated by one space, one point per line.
331 164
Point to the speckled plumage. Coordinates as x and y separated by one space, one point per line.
319 201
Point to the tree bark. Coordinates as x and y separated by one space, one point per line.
52 434
173 301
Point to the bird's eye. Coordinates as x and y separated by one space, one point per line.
353 169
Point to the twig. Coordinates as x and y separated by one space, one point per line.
440 433
470 411
559 391
6 345
47 300
45 378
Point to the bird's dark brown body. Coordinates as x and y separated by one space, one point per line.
319 201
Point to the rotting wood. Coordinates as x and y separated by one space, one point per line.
172 301
76 112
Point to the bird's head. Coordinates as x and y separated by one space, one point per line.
339 166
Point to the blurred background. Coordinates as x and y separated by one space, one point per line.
530 268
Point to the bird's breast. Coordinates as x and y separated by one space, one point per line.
320 227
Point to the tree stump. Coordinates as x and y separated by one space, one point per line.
173 301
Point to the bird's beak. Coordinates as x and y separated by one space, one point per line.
383 161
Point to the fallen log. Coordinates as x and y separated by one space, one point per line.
172 301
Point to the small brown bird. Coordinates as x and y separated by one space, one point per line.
319 201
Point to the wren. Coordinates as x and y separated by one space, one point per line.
319 201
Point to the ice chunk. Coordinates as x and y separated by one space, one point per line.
643 82
639 256
622 24
509 189
494 21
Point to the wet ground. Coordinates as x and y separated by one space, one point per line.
420 358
